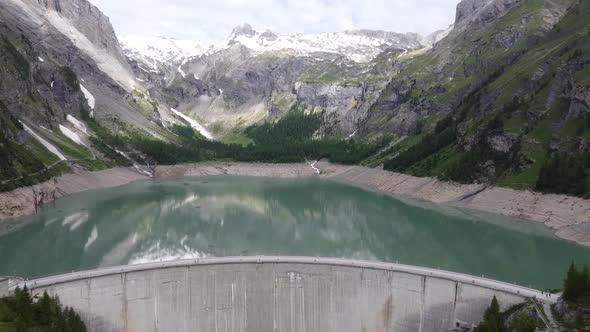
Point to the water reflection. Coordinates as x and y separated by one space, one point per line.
194 217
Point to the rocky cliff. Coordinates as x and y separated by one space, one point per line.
62 68
501 99
254 75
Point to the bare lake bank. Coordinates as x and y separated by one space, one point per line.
568 217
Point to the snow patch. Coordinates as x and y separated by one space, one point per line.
194 124
49 130
123 154
77 123
71 135
181 72
89 98
46 144
180 68
140 67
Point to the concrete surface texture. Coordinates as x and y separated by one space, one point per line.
261 294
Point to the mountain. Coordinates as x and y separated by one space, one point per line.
252 76
161 53
500 97
62 71
358 45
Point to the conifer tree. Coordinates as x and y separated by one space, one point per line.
569 284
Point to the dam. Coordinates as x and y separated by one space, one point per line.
279 294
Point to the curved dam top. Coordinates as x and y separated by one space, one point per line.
279 294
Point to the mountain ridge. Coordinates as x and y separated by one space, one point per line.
500 97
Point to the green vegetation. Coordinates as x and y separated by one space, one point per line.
574 312
443 135
75 152
566 173
22 312
524 323
291 139
576 286
296 126
506 125
144 102
492 321
339 74
576 294
520 320
22 164
106 142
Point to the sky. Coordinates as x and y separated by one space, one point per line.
212 20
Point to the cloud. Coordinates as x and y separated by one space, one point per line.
211 21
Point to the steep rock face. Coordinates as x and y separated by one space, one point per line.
479 12
78 25
255 75
61 63
77 35
90 21
234 88
503 98
349 104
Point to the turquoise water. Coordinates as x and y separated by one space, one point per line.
220 216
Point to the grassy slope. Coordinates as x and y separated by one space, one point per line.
524 59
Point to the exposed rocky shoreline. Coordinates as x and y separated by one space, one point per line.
568 216
21 202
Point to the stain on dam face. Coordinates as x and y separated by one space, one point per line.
278 294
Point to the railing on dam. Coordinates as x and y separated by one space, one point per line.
279 294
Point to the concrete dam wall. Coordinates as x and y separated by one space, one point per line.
289 294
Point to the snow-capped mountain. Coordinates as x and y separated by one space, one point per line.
158 50
357 45
215 83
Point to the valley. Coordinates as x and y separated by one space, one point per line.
490 113
407 165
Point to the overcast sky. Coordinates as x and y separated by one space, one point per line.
213 20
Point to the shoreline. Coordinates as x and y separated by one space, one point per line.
21 202
568 217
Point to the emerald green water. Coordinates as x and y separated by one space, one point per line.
221 216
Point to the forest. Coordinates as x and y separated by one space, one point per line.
23 312
291 139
